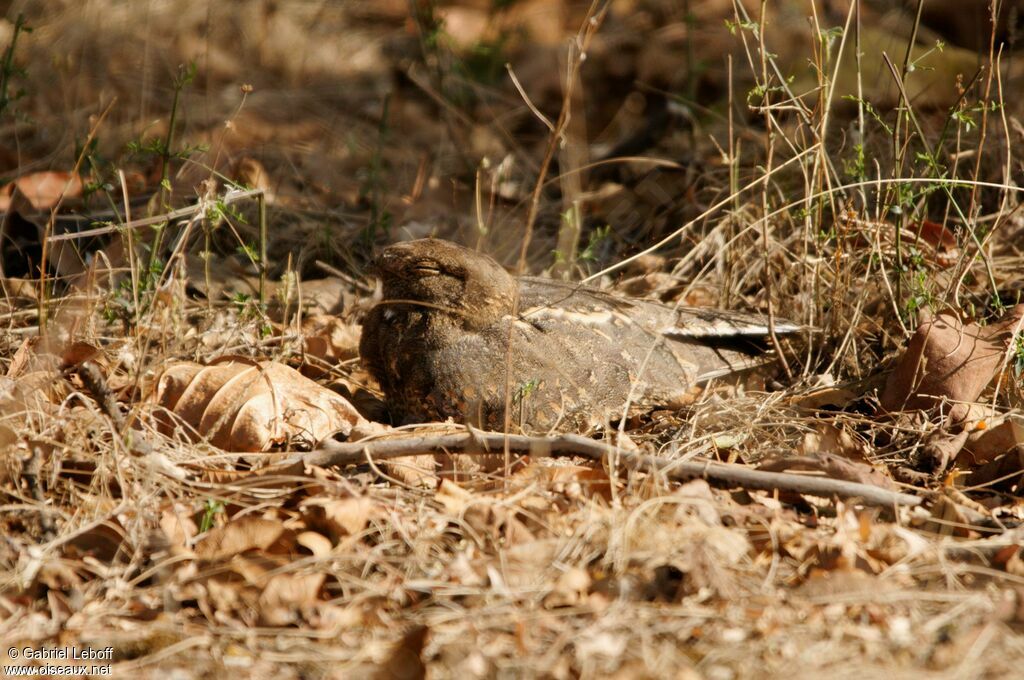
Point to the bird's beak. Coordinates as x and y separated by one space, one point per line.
392 260
387 262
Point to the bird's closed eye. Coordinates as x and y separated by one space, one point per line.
426 268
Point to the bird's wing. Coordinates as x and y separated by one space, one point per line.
546 298
704 322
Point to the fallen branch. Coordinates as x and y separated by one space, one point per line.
475 442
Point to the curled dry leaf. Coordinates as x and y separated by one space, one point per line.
17 290
314 542
33 392
103 541
950 360
453 498
483 514
951 518
417 472
243 406
1002 473
35 371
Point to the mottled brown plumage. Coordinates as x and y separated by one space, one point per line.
455 333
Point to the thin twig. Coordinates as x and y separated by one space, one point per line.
229 198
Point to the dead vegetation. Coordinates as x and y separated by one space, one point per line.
181 176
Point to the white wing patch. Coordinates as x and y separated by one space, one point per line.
592 317
724 328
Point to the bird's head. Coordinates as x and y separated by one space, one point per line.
446 278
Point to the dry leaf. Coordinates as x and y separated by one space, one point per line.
405 662
453 498
103 541
245 407
1000 435
12 287
575 481
26 353
833 466
250 172
483 513
837 397
246 533
1001 474
178 526
75 353
330 339
42 190
314 542
935 235
413 471
832 440
570 589
950 518
947 359
287 596
339 517
941 448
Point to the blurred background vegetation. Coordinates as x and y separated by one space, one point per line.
591 129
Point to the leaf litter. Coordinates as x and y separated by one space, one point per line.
154 500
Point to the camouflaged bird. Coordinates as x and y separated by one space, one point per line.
455 333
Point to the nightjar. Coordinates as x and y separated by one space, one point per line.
455 335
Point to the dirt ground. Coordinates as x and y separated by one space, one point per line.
193 192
